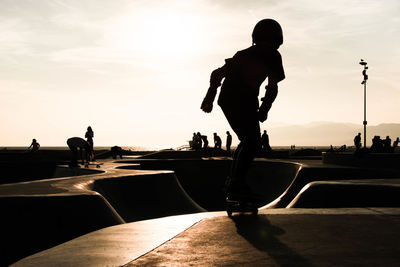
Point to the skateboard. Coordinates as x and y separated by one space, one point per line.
241 206
98 164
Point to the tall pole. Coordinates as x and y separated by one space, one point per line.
364 82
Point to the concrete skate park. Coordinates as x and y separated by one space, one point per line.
168 208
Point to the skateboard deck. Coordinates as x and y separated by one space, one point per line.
240 206
97 164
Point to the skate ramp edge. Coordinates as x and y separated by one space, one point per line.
308 174
348 194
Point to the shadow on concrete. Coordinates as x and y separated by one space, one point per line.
264 236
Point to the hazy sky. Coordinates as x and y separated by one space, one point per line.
137 70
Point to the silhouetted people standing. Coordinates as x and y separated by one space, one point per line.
377 144
34 145
75 144
357 141
266 148
217 141
244 73
228 142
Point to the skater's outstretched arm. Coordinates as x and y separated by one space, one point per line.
215 81
269 98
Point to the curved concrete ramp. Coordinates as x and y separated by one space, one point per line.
204 179
40 214
144 197
349 194
309 174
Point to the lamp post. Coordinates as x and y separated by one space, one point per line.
364 82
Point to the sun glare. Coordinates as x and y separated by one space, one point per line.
160 36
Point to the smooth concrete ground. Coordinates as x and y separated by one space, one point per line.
276 237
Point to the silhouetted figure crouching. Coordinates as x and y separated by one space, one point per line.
205 141
116 151
34 145
75 144
217 141
244 73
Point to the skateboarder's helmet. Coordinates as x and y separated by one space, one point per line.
268 30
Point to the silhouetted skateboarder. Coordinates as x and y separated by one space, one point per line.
244 73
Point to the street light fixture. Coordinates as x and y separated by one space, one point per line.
364 82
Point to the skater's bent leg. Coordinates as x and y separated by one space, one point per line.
242 163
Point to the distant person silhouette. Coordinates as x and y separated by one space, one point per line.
217 141
244 73
357 141
34 145
266 148
228 141
199 142
75 144
387 145
331 149
89 136
396 143
193 142
205 141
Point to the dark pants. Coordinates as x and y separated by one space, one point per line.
244 122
